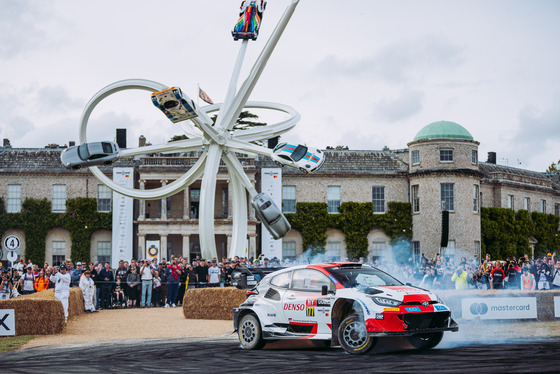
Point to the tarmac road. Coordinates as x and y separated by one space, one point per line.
224 355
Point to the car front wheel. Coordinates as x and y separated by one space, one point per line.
425 341
353 337
250 332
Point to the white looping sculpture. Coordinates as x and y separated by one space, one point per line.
218 142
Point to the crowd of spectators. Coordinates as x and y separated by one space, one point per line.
152 283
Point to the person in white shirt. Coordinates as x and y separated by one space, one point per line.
147 276
88 290
214 273
62 280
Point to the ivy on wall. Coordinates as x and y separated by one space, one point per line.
36 220
355 220
506 233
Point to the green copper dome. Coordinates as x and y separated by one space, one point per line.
443 130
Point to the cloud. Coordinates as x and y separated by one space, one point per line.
407 104
397 62
19 30
56 99
538 130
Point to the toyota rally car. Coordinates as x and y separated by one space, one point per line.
346 304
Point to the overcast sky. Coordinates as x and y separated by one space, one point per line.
362 73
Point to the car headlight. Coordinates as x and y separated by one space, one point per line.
383 301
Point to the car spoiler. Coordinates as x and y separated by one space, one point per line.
249 278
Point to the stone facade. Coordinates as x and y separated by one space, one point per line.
414 174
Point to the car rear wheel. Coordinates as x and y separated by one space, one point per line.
353 337
250 332
425 341
279 164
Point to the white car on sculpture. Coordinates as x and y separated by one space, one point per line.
302 157
346 304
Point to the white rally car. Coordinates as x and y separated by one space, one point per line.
346 304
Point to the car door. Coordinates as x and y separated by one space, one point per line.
307 311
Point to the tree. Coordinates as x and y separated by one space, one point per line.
553 167
174 138
244 121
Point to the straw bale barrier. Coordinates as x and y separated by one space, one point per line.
40 313
212 303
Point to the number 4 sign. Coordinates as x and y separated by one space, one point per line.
11 243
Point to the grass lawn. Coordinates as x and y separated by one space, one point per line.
12 343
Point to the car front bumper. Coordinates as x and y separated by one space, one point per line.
406 324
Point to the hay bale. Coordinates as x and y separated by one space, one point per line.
212 303
41 314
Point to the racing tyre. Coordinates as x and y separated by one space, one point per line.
353 337
250 332
425 341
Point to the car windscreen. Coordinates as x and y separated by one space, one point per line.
356 276
83 152
300 151
107 148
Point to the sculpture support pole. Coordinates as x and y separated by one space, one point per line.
207 202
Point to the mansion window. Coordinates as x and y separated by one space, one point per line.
288 199
333 251
104 195
289 250
476 198
415 198
104 252
59 198
446 155
333 199
527 204
474 157
557 209
511 202
447 197
58 252
14 198
543 206
415 157
378 198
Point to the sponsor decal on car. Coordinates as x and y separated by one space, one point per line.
271 314
441 307
323 302
324 311
294 306
331 277
310 311
413 309
365 307
391 309
311 302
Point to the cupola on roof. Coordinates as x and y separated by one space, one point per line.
443 130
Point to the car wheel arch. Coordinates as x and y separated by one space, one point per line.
341 309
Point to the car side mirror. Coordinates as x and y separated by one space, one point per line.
324 290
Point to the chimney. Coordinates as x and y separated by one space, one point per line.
273 142
121 138
71 143
491 158
141 141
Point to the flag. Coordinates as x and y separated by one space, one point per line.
204 96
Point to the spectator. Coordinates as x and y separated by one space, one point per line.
133 280
512 279
118 293
48 273
227 274
162 267
173 278
147 276
106 278
497 276
183 284
6 287
202 274
120 275
555 282
191 277
77 274
543 277
87 285
41 282
214 275
528 282
62 282
428 279
27 281
156 296
460 278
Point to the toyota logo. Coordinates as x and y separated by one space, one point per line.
425 304
479 309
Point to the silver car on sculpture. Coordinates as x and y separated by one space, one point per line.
90 154
271 216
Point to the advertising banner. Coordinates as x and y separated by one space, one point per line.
271 184
7 322
557 306
499 308
153 250
122 217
